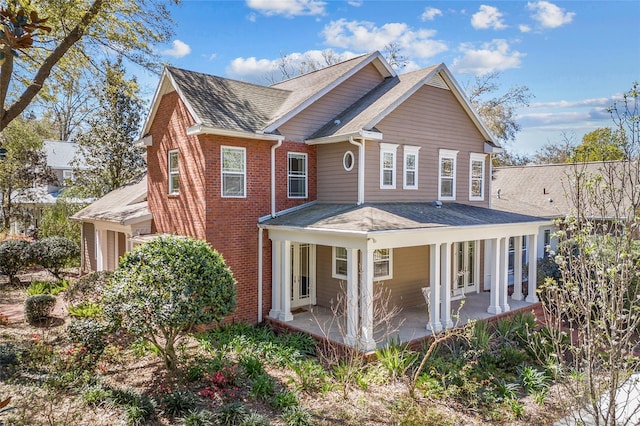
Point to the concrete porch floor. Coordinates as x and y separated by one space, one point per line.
410 323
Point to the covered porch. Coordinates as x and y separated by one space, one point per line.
454 252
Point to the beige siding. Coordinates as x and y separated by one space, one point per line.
433 119
88 258
111 247
122 246
327 288
335 184
330 105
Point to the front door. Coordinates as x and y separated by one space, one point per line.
303 290
464 267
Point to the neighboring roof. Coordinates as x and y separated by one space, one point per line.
59 154
372 217
540 189
124 205
41 195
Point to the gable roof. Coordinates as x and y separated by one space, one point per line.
59 154
544 190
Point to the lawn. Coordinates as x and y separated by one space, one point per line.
64 371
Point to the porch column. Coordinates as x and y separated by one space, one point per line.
434 324
366 301
352 297
517 268
445 280
494 304
285 281
504 276
532 297
276 279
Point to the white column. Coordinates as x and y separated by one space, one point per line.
494 304
100 250
352 297
434 324
504 276
276 279
366 301
517 268
285 303
488 265
532 297
445 280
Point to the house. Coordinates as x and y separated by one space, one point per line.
33 201
350 176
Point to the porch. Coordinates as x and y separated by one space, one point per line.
409 325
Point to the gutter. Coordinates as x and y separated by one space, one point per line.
360 146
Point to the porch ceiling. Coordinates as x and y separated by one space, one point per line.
375 217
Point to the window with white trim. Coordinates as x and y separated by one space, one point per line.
174 182
234 171
410 167
297 175
339 263
67 177
447 174
388 165
382 264
476 177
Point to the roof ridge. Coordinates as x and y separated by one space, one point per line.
322 69
248 83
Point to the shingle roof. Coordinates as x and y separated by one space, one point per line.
124 205
228 104
541 190
372 217
59 154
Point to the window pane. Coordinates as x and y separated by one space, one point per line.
174 183
411 162
173 161
297 164
411 178
446 188
341 267
387 177
476 169
233 160
447 167
387 159
297 187
341 253
476 188
233 185
381 269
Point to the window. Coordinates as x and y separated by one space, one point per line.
348 161
547 242
339 263
234 162
447 174
297 175
388 165
382 264
67 177
174 182
476 177
410 167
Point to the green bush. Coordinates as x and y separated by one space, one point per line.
262 387
297 416
85 310
88 332
55 253
47 287
233 413
38 308
166 287
178 402
284 400
88 288
396 359
15 255
9 355
198 418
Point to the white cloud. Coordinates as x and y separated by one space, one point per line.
430 14
288 8
355 3
491 56
213 56
549 15
178 49
252 17
266 70
591 102
487 17
524 28
366 36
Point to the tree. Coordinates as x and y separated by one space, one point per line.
596 303
55 219
106 149
600 145
557 152
24 164
77 33
69 108
55 253
393 55
292 65
164 288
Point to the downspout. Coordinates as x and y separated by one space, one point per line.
273 175
490 179
360 146
259 274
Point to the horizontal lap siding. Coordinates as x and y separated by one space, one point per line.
330 105
88 247
335 184
433 119
327 287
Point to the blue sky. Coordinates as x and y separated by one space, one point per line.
576 57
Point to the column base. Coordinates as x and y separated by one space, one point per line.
494 310
448 323
505 308
367 344
273 313
532 299
516 296
285 316
434 327
350 341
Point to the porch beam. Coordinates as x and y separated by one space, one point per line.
532 297
352 297
517 268
276 279
367 341
285 303
494 304
434 324
445 281
504 276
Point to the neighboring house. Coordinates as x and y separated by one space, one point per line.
350 175
32 201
